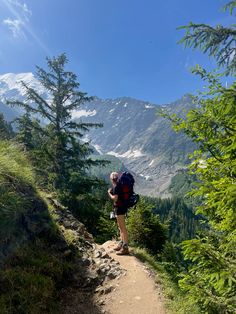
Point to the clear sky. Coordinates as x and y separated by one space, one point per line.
116 47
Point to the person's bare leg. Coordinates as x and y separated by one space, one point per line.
120 243
122 227
124 235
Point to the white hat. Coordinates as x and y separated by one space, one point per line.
114 175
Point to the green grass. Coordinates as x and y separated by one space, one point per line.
35 271
176 301
17 186
30 280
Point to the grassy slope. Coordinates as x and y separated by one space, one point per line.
36 272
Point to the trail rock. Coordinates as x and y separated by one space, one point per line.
112 275
98 266
97 254
67 253
104 255
104 290
66 224
85 262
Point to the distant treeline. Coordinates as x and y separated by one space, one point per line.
180 218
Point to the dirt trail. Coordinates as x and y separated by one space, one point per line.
134 293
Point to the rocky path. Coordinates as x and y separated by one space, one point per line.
133 293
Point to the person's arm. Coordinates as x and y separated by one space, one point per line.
113 197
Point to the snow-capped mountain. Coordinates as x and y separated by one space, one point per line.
10 85
132 131
144 141
11 88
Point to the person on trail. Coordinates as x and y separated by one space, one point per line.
120 209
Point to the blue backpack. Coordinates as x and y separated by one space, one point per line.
126 182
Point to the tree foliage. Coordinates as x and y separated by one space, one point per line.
211 276
219 41
6 131
54 141
145 228
59 134
106 228
211 279
180 218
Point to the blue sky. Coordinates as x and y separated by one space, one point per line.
116 47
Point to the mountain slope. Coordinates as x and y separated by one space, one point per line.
132 132
144 141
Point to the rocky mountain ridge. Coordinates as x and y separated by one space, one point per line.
132 131
144 141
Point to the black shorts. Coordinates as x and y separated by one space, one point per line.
120 210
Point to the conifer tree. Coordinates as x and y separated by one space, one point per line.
54 140
145 228
211 277
27 131
6 131
219 41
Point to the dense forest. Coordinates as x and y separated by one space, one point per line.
43 155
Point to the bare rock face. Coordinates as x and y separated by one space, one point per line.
95 265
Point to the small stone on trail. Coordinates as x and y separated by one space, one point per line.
104 290
97 254
108 289
104 255
67 224
101 302
67 253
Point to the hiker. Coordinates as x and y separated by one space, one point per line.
120 209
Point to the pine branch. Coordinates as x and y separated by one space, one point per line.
219 42
32 95
230 6
81 98
22 104
81 126
46 79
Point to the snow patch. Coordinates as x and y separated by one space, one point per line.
98 149
12 81
83 113
146 177
151 163
86 138
149 106
132 154
113 154
129 154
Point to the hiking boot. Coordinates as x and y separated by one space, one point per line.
123 251
119 246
